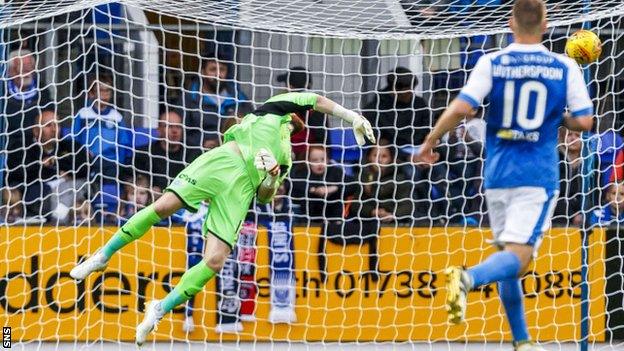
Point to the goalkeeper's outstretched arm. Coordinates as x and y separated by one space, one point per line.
298 102
361 126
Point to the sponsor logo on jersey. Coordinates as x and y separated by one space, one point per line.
187 178
518 135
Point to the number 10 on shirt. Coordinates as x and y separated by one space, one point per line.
520 108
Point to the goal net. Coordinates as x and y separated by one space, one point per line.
104 103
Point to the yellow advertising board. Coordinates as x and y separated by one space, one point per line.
39 301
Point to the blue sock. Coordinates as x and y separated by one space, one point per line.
503 265
510 292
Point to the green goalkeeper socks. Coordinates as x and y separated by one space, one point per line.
136 226
191 283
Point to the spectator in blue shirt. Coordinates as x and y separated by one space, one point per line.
211 101
101 128
609 144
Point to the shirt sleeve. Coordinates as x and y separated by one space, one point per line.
301 99
285 104
479 84
577 96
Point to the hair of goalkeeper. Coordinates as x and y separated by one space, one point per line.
529 16
297 124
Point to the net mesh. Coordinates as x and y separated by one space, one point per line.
338 18
104 104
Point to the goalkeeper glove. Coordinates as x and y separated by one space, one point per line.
361 126
264 161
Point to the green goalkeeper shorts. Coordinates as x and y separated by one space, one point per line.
220 177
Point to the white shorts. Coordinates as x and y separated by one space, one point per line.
520 215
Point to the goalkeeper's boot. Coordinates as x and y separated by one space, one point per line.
457 287
527 345
153 315
97 262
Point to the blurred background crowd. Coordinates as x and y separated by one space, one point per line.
57 174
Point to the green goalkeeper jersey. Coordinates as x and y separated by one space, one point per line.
267 127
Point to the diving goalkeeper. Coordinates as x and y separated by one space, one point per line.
253 161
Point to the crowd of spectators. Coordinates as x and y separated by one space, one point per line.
95 168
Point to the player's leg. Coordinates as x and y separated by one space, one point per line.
457 281
524 248
185 191
223 222
226 214
503 266
510 289
191 283
193 280
141 222
222 226
518 217
134 229
511 295
194 249
527 217
515 213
